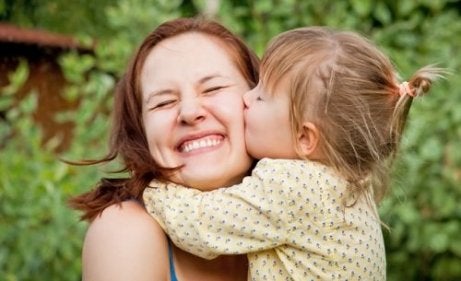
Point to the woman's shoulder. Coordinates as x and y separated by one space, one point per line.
125 243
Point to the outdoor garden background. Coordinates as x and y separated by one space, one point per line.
41 238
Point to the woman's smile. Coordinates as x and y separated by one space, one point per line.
201 144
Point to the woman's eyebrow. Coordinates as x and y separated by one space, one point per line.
210 77
156 94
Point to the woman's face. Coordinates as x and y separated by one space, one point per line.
193 111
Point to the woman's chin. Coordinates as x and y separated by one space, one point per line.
211 175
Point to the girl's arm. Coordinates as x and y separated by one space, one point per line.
251 216
125 243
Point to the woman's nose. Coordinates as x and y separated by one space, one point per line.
191 111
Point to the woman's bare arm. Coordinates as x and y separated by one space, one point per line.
125 243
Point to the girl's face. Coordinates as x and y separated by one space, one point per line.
193 111
268 130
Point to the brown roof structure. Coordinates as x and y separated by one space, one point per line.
41 50
17 35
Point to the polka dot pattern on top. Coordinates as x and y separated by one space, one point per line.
287 216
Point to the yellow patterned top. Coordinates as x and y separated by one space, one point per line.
287 216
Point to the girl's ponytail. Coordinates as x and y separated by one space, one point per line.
419 84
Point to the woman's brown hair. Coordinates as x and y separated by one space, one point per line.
128 140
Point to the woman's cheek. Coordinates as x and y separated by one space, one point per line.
157 127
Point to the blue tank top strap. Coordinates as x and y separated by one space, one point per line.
171 261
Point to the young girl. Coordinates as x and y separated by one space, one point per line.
325 120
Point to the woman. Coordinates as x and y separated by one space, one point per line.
178 116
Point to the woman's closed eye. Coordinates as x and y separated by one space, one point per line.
162 104
214 89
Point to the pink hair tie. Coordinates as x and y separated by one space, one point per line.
404 89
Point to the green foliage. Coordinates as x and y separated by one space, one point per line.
41 237
68 17
427 180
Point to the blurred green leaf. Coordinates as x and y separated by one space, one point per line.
16 78
382 13
362 7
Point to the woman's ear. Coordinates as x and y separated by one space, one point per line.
308 139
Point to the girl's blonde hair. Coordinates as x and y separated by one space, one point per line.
350 90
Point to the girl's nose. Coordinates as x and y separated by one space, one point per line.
247 98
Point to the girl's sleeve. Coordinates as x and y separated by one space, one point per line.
247 217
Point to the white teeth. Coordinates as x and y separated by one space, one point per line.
200 144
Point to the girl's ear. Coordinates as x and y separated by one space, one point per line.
308 139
